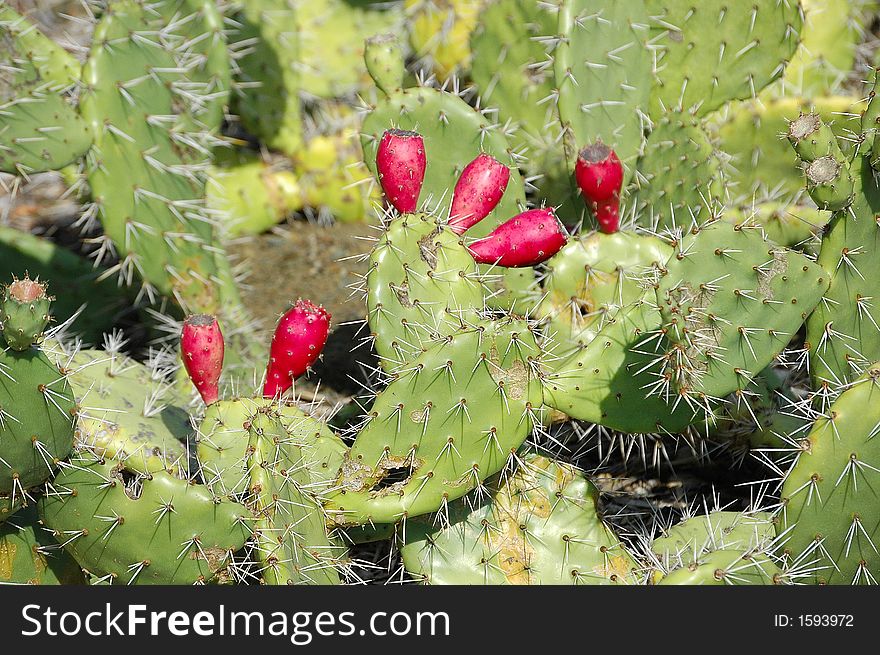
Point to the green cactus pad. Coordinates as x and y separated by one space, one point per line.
730 302
763 415
384 57
685 543
843 333
40 129
789 225
154 530
223 438
24 312
715 51
196 29
269 105
36 420
761 162
292 544
331 44
679 176
125 413
512 70
74 279
591 278
422 282
29 554
603 75
250 195
829 522
726 567
153 214
449 419
538 525
829 41
607 381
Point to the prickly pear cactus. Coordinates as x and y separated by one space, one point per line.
538 525
36 404
422 284
716 51
828 522
449 419
29 554
126 412
40 127
603 75
153 218
730 302
135 529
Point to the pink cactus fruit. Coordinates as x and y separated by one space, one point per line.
202 346
299 339
524 240
401 163
599 175
478 191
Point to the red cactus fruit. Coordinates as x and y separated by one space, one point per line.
202 346
298 341
599 175
401 164
478 191
524 240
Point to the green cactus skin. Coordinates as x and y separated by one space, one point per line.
829 40
292 542
222 442
829 521
679 178
685 543
196 27
727 567
383 55
159 530
826 168
511 69
422 283
24 312
124 413
761 162
29 555
250 194
149 216
792 226
603 75
715 51
538 525
269 104
449 419
75 282
590 279
607 381
36 423
331 37
9 504
730 302
279 461
842 333
40 129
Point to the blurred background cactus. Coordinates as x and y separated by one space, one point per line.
594 291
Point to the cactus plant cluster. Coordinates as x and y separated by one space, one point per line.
651 223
